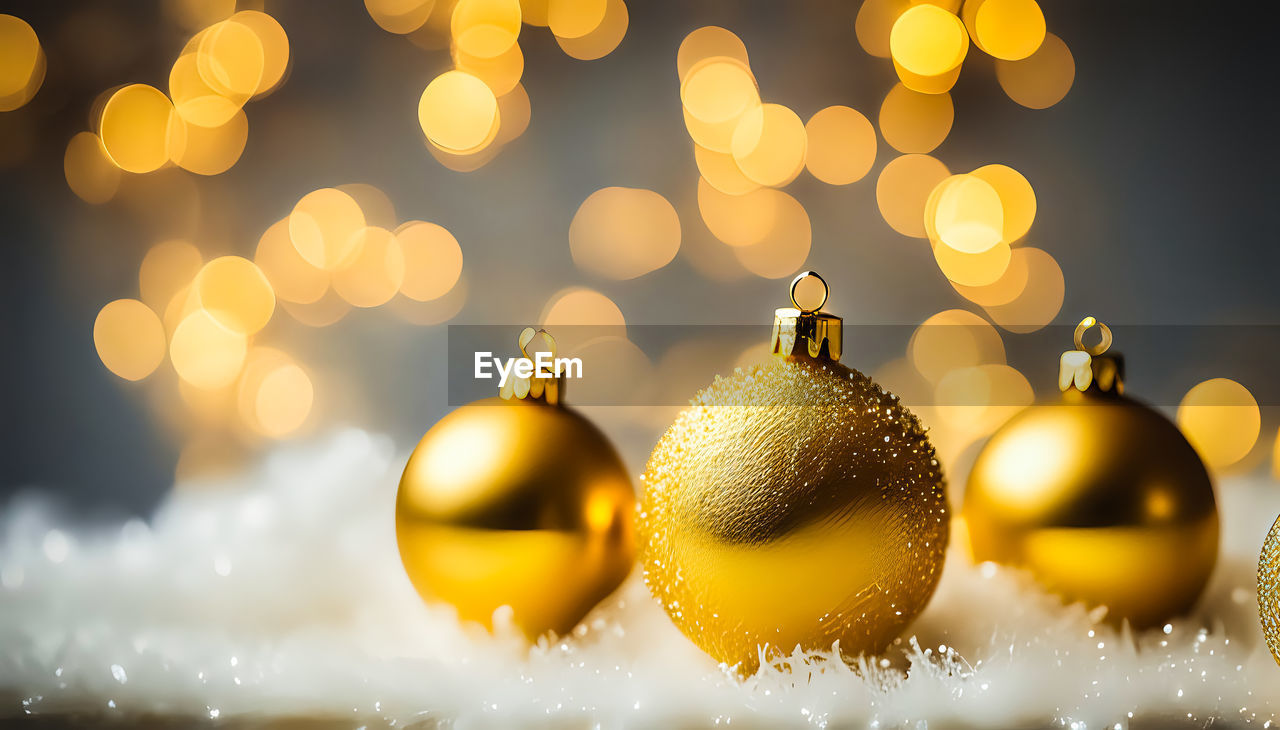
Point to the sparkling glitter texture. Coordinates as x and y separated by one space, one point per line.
1269 589
794 504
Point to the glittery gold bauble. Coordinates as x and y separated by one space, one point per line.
1100 496
516 502
796 503
1269 590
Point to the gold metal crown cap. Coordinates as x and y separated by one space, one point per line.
548 390
802 329
1089 367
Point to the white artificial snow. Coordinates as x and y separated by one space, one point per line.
282 595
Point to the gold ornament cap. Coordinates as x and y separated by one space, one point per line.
1090 369
804 330
534 387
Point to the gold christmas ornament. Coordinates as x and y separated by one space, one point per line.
1099 495
794 503
1269 590
517 501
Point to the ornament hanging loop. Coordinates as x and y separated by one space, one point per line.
1086 368
802 329
526 337
1087 324
806 286
536 387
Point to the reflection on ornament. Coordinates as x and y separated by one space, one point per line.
516 501
794 503
1099 495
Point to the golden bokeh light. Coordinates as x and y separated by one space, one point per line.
377 271
915 122
183 302
1040 298
535 12
234 292
785 246
464 161
721 172
1010 30
434 33
979 399
485 28
718 90
903 189
952 339
604 39
1221 419
710 41
501 72
1275 457
399 16
1043 78
968 215
575 18
874 23
973 269
931 207
259 361
230 58
1004 289
928 45
377 208
213 150
623 233
738 220
1017 198
213 408
769 144
323 227
432 260
139 128
22 63
195 101
717 137
283 401
274 395
275 47
129 338
841 145
90 174
514 111
577 315
711 258
440 309
619 365
292 278
167 268
192 15
579 305
329 309
458 112
206 354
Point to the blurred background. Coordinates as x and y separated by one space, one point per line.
227 224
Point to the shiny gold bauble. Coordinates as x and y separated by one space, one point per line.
1269 590
516 503
796 503
1103 499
